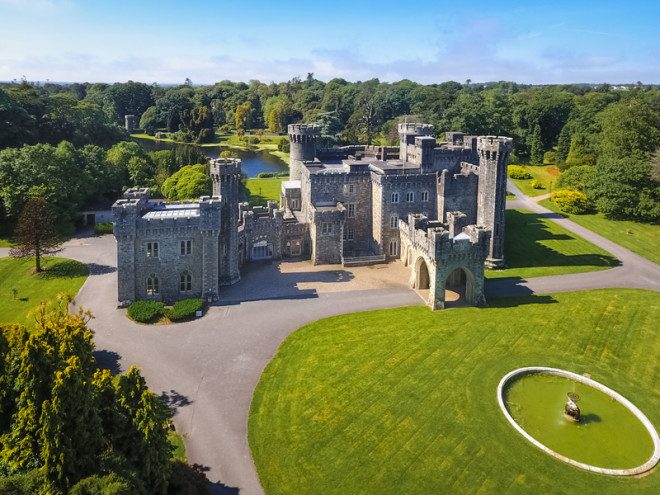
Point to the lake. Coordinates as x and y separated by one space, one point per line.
252 162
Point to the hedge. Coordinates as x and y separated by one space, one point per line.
570 201
145 311
518 172
185 309
103 228
537 184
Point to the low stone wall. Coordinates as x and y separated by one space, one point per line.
648 465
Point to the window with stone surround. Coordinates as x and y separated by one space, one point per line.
152 249
394 221
153 285
326 228
394 198
410 197
425 195
394 247
186 247
185 282
350 210
349 234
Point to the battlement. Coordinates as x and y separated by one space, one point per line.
300 133
493 143
225 166
416 129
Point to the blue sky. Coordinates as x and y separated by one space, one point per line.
429 41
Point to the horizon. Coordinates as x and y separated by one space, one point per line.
166 42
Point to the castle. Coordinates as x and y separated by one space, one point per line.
439 207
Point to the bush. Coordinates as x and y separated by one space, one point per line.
185 309
536 184
518 172
103 228
254 140
145 311
187 480
550 158
112 484
284 145
571 201
22 484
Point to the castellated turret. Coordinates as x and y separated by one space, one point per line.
493 153
226 178
302 139
407 134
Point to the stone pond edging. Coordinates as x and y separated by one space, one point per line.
592 383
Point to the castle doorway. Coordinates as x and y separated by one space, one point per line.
458 288
262 251
422 279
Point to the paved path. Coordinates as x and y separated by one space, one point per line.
635 271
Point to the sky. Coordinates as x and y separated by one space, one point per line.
538 42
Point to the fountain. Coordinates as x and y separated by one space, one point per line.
571 409
607 434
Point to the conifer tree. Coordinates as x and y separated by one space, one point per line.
536 154
563 143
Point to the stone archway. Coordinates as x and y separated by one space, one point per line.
461 288
422 276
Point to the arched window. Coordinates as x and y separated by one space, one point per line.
153 285
185 282
394 221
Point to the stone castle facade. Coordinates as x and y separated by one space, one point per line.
439 207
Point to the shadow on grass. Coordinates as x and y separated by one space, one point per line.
64 269
515 301
523 246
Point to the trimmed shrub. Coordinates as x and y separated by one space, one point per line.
103 228
111 484
145 311
550 158
518 172
570 201
185 309
536 184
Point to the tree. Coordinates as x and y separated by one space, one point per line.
536 154
149 120
629 128
35 233
243 115
190 182
563 143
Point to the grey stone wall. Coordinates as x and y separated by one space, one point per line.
327 246
226 176
302 140
458 192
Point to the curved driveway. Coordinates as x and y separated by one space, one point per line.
207 369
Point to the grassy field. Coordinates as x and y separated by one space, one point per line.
640 238
536 247
404 400
61 275
4 242
261 190
545 174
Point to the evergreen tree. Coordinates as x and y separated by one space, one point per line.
35 233
563 143
536 154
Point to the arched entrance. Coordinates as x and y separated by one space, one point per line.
422 279
458 288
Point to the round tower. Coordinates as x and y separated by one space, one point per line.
302 138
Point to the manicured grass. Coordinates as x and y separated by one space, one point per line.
536 246
545 174
262 190
60 275
5 243
179 448
640 238
404 400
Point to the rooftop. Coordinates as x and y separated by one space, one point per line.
163 211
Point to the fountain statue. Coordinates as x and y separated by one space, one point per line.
571 409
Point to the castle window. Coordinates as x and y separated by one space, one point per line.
395 197
349 188
350 210
185 282
394 247
394 221
153 285
295 203
410 197
186 247
152 249
349 234
425 195
326 228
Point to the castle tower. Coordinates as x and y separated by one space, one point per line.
302 139
407 134
226 177
493 153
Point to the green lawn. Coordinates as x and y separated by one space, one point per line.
641 238
61 275
546 174
536 247
261 190
4 242
403 401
